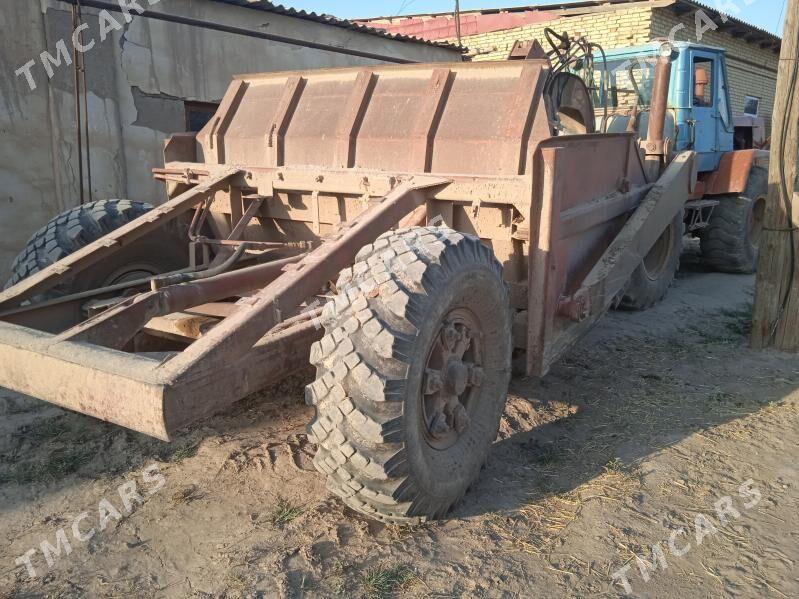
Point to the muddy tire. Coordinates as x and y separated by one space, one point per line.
651 280
730 241
412 374
156 253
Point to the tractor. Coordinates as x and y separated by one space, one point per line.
408 230
726 211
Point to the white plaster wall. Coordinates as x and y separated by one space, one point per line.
163 62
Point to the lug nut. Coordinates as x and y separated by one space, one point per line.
460 418
439 426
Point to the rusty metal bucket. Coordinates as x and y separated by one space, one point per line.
332 159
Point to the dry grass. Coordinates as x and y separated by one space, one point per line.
382 582
55 466
542 525
284 512
46 430
186 451
337 578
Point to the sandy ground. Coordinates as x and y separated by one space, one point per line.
629 443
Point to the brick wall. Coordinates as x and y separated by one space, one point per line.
752 70
611 29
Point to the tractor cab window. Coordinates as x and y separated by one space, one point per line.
703 82
724 107
630 83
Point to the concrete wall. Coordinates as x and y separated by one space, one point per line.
752 69
138 80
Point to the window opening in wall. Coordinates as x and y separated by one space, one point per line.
751 106
198 114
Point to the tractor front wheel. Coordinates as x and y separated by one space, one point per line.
652 279
730 243
412 374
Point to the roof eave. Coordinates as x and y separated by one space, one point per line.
265 6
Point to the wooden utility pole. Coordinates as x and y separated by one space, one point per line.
458 20
776 314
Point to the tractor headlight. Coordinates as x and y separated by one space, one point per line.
666 50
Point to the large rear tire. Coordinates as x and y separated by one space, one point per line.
156 253
412 374
730 242
651 280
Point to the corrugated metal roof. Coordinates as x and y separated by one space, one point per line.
732 19
333 21
517 8
572 7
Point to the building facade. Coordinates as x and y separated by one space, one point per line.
752 54
146 78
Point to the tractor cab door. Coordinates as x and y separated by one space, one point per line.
704 96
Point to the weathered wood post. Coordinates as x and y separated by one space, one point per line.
776 313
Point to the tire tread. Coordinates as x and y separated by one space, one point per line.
362 363
69 232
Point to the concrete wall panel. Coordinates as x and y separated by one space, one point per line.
27 179
139 78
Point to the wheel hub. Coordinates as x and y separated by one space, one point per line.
130 272
452 376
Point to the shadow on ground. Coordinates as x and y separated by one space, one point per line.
616 399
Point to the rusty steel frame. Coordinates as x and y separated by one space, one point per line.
130 389
570 217
607 279
116 327
94 252
732 175
166 393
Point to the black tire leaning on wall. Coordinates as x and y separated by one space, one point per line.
411 296
158 252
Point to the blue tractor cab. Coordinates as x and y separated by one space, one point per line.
727 209
700 116
598 91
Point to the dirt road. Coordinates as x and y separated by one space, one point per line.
660 429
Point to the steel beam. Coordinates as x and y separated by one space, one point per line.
100 249
260 313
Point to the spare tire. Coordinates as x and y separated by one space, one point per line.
156 253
